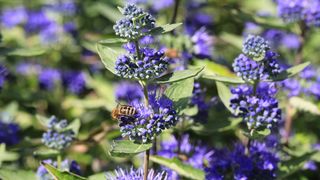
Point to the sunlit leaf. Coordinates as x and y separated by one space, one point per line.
304 105
16 174
178 76
164 28
224 95
291 72
128 148
59 175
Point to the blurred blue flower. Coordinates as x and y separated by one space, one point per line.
128 92
11 17
66 165
3 75
162 4
48 78
37 20
132 174
9 133
196 20
57 136
74 81
195 154
49 34
202 44
291 10
26 68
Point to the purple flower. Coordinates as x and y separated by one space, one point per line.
74 81
291 41
203 44
11 17
49 34
27 68
48 78
133 174
37 21
195 155
162 4
128 92
3 75
196 20
291 10
9 133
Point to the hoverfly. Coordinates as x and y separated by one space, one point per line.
123 110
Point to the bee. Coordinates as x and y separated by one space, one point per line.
172 53
123 110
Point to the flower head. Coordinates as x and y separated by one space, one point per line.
58 136
11 17
75 81
136 23
128 92
149 121
255 47
48 78
150 65
291 10
203 43
259 109
9 133
133 174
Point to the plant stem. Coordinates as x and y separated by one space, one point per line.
59 161
175 13
136 43
247 148
146 164
302 39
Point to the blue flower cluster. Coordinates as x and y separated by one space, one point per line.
194 154
9 133
74 81
297 10
251 70
128 92
149 121
261 163
136 23
255 47
258 109
58 136
150 65
307 84
133 174
66 165
202 44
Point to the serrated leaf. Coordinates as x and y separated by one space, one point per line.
7 156
291 72
180 93
8 174
164 28
178 76
45 153
59 175
224 95
108 54
181 168
225 79
304 105
122 148
288 167
27 52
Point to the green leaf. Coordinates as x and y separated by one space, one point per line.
16 174
190 111
224 95
257 134
178 76
181 168
58 175
304 105
27 52
109 12
122 148
236 41
225 79
108 54
42 120
289 167
216 125
7 156
164 29
291 72
100 176
180 93
213 68
46 153
74 126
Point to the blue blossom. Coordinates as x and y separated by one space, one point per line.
291 10
136 23
74 81
196 20
37 20
128 92
149 121
194 154
49 34
151 65
162 4
58 136
11 17
255 47
258 110
313 14
66 165
291 41
133 174
292 87
260 163
48 78
26 68
203 44
9 133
